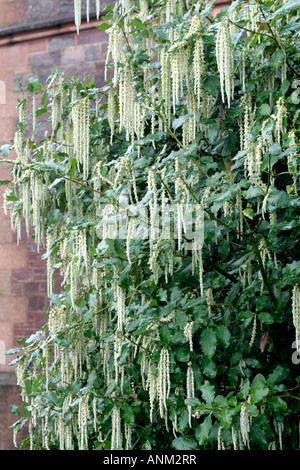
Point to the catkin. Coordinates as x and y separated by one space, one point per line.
225 63
296 313
190 389
77 14
163 381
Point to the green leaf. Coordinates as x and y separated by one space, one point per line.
291 5
4 182
279 373
180 319
284 87
261 433
182 354
211 84
34 84
223 249
209 367
278 200
225 417
277 404
179 121
103 26
14 409
183 443
203 430
5 149
128 413
223 336
165 335
50 397
92 379
124 280
252 192
61 341
249 212
259 389
208 392
183 421
124 354
264 110
277 58
266 317
245 388
208 341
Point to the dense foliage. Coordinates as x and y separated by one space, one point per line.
153 338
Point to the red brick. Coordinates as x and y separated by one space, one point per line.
61 42
45 61
92 53
92 36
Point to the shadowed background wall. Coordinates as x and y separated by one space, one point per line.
35 36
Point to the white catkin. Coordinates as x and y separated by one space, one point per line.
163 381
151 386
121 296
279 428
88 11
116 434
245 425
77 14
166 84
225 63
201 272
220 439
83 417
95 413
111 112
33 112
128 435
296 313
130 236
98 9
209 300
234 436
81 127
126 102
279 128
198 67
254 329
190 389
188 333
50 262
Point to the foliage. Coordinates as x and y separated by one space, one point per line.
151 341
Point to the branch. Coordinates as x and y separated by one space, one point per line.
276 40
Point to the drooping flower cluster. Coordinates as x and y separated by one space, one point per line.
225 62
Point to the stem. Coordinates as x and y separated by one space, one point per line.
13 162
248 30
213 217
277 40
172 134
221 271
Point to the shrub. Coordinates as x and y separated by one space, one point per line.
167 202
